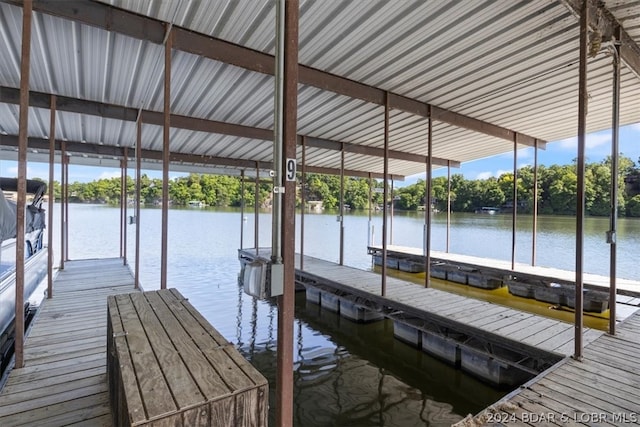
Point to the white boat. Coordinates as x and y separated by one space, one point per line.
35 264
196 204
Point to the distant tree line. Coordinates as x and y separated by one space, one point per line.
557 188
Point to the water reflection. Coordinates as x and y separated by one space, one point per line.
353 374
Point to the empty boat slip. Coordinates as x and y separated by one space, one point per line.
168 366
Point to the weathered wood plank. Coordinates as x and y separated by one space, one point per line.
153 382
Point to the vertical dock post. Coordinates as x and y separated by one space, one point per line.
138 192
63 204
582 126
514 213
52 153
427 207
534 231
383 291
615 137
23 135
286 301
341 212
303 199
242 209
165 157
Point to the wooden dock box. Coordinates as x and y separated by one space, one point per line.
167 366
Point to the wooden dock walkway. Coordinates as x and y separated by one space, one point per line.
493 322
601 390
64 381
630 288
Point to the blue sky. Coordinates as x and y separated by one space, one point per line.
558 152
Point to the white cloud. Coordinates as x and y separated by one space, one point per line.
109 175
594 141
489 174
484 175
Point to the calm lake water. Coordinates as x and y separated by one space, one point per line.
345 373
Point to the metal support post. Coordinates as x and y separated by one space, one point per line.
52 159
427 207
165 159
138 196
582 125
534 231
286 301
613 219
514 213
385 172
125 197
303 199
448 205
342 206
23 135
242 209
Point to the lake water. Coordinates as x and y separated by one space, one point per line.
345 373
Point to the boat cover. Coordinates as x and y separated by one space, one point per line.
34 216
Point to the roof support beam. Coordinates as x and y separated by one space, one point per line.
96 150
143 27
601 20
118 112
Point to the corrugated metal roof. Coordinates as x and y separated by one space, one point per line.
509 63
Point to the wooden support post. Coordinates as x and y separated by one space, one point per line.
52 159
23 135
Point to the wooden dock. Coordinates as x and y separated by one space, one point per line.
64 380
493 322
630 288
600 390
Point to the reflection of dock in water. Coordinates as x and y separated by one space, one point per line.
499 344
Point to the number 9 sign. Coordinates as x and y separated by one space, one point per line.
291 170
